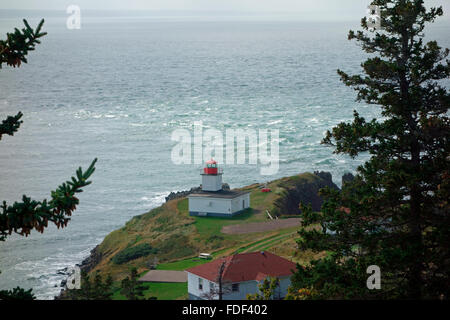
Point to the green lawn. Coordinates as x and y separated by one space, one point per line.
182 264
241 249
209 226
160 290
258 198
266 245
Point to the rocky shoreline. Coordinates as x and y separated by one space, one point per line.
183 194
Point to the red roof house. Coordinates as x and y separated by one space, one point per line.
241 275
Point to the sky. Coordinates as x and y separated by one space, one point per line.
326 8
192 5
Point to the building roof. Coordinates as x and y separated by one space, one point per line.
245 267
225 194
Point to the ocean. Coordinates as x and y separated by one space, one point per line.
117 89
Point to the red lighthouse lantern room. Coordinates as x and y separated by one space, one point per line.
211 167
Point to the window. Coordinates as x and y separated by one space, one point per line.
200 284
235 287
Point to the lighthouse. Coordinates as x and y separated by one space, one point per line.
211 177
212 200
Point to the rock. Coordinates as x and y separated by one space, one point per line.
324 175
86 265
304 191
183 194
347 177
63 272
90 262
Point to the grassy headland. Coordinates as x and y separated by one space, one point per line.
178 238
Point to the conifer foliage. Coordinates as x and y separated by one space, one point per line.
131 288
27 215
14 50
22 217
93 287
395 214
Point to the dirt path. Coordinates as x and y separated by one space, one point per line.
164 276
261 226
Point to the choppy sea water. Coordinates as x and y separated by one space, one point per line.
117 88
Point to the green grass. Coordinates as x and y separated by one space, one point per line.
183 206
208 226
242 249
160 290
266 245
258 198
215 254
182 264
267 242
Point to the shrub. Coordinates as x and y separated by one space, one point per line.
132 253
176 246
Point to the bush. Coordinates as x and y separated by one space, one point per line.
176 246
132 253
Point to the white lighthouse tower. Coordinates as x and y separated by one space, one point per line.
212 200
211 177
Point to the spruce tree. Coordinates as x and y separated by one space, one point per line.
131 288
92 287
395 214
266 290
24 216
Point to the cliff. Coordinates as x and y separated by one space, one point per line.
302 188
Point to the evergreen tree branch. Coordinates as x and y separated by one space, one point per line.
10 125
15 48
22 217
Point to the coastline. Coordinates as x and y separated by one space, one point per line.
307 193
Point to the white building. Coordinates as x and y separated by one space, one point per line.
212 200
241 274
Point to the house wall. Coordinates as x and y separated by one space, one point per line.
193 286
251 287
245 288
248 287
194 292
281 290
240 203
200 205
